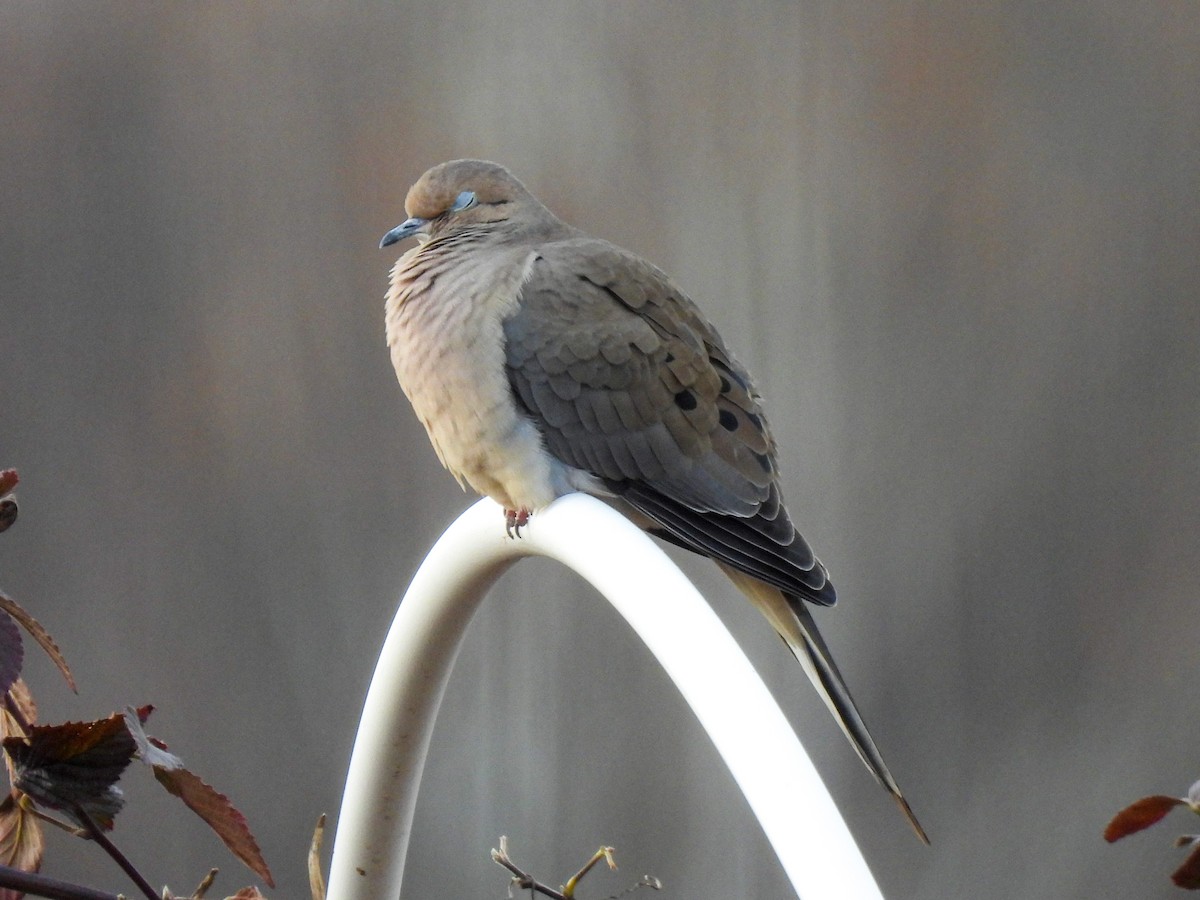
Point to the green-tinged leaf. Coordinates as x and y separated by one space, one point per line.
1188 875
39 634
215 809
76 764
1139 815
21 841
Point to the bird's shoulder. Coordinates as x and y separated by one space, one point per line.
615 319
614 292
623 275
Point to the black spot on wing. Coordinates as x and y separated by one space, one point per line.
685 400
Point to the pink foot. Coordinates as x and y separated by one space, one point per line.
515 520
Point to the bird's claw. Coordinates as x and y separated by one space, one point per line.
515 520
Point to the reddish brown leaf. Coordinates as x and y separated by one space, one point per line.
1139 815
12 653
215 809
247 893
39 634
21 841
1188 875
8 506
74 765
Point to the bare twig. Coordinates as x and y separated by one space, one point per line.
521 878
646 881
525 881
605 853
205 883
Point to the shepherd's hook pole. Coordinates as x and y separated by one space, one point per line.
750 732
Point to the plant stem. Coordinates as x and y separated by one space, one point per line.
523 880
603 853
43 886
96 834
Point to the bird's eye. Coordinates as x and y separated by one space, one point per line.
465 200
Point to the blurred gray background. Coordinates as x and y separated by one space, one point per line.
959 244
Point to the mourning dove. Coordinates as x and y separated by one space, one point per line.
542 361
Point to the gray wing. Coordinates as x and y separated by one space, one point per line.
627 380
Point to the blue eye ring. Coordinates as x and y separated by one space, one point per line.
465 200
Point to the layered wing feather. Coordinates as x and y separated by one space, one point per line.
626 380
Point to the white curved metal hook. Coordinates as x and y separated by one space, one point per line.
750 732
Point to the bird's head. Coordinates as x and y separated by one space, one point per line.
459 194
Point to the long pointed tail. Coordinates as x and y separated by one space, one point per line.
797 628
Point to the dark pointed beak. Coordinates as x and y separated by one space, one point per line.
405 229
